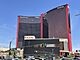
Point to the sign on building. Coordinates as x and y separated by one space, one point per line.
29 37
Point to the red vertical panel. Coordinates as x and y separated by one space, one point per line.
70 42
17 32
41 25
60 53
68 30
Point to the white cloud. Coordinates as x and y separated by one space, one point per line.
4 45
3 26
7 26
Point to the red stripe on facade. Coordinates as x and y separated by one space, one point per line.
41 25
17 32
68 29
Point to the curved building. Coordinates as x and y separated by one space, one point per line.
59 23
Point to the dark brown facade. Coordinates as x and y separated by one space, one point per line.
38 47
30 26
53 24
59 23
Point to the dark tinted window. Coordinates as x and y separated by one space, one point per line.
57 24
28 26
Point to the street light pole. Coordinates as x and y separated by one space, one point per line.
10 48
10 45
77 14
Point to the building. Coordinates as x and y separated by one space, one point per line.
3 52
30 26
32 31
63 44
41 47
59 23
